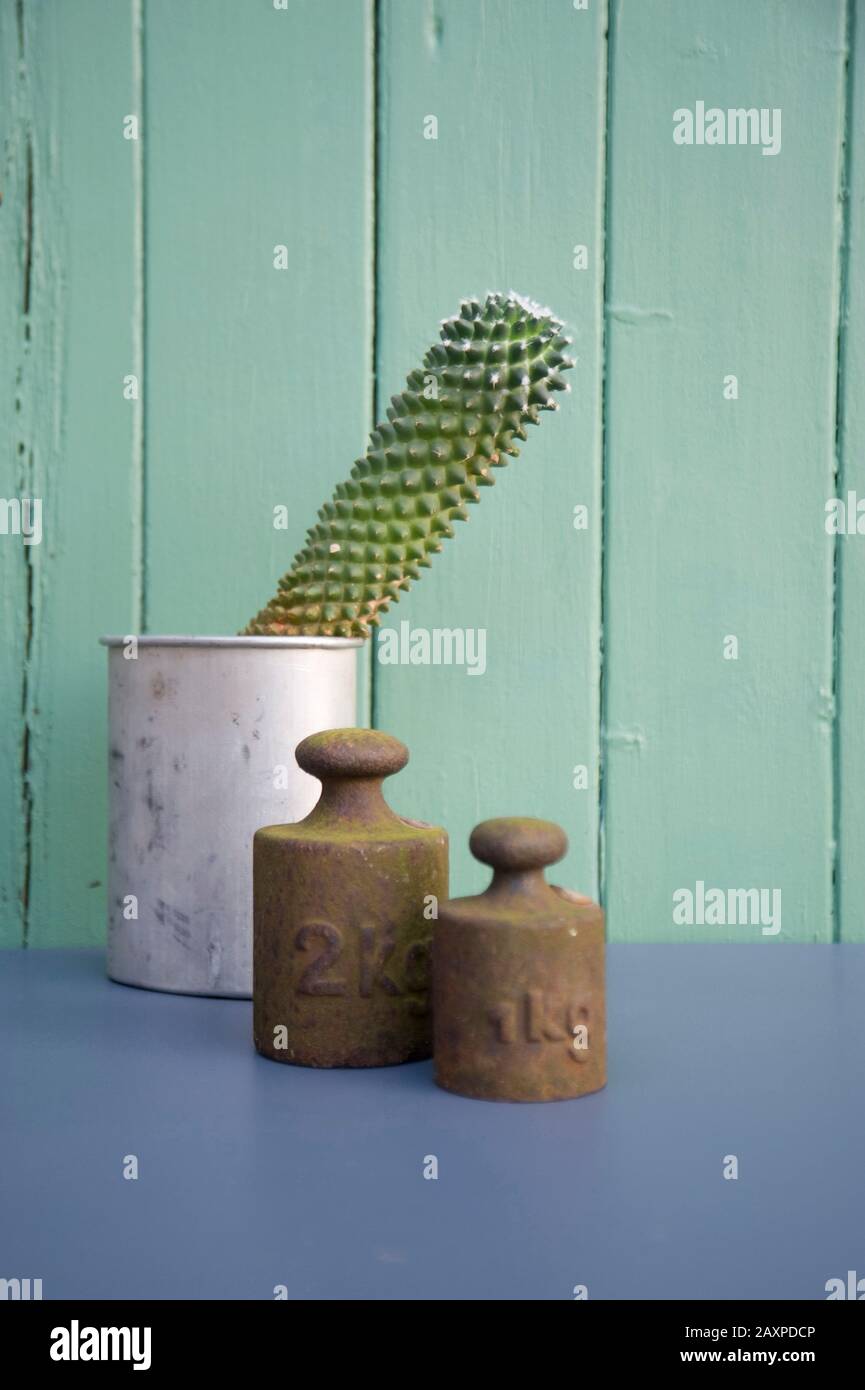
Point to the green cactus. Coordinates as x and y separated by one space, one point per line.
495 369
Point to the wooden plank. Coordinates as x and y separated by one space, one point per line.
14 476
78 65
259 379
850 882
723 261
499 200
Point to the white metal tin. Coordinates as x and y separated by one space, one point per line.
202 733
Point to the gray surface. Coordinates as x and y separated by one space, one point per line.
254 1174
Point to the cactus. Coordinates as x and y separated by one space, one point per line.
495 369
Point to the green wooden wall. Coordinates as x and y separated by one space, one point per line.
302 124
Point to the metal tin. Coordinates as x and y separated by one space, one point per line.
518 976
202 733
344 909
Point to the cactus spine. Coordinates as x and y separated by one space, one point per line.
495 369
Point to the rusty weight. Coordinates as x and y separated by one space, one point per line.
518 976
343 915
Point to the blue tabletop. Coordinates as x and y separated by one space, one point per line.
254 1175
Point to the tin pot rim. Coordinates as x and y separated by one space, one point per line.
243 643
